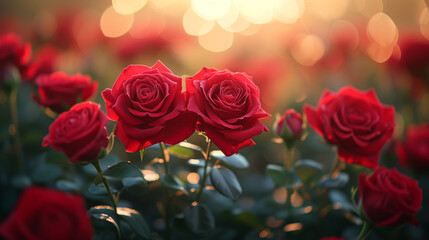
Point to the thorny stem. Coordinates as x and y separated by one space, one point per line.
206 163
96 164
166 159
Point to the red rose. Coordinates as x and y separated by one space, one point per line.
44 62
414 151
149 105
80 133
45 214
59 91
354 121
389 198
289 126
13 51
228 107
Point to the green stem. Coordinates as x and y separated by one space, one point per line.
96 164
14 117
165 156
366 229
206 163
289 162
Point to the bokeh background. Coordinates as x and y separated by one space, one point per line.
294 49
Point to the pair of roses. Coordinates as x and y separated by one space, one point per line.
150 107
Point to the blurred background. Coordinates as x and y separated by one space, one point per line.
293 49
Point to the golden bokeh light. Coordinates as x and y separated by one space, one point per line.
195 25
210 9
288 11
150 175
193 178
127 7
368 7
382 30
424 23
257 11
217 40
307 49
292 227
328 9
229 17
114 24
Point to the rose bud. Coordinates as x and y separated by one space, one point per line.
356 122
389 198
59 91
414 152
47 214
149 106
228 108
80 132
289 127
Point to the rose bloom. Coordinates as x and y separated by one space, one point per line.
389 198
13 52
289 127
355 121
45 214
414 151
228 108
44 62
59 91
149 105
80 133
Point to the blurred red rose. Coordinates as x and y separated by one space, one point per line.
44 62
228 108
45 214
389 198
80 133
13 52
355 121
289 127
149 105
59 91
268 73
414 151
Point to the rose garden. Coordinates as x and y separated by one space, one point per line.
150 137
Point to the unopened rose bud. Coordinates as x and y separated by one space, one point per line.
289 127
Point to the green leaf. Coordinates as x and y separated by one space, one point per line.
142 151
104 217
67 186
309 171
123 170
282 177
225 182
184 150
340 181
133 181
111 142
236 160
136 222
99 190
21 181
46 173
199 220
173 182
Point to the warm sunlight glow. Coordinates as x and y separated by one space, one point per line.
382 30
308 49
114 24
150 175
424 23
257 11
217 40
210 9
288 11
195 25
127 7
